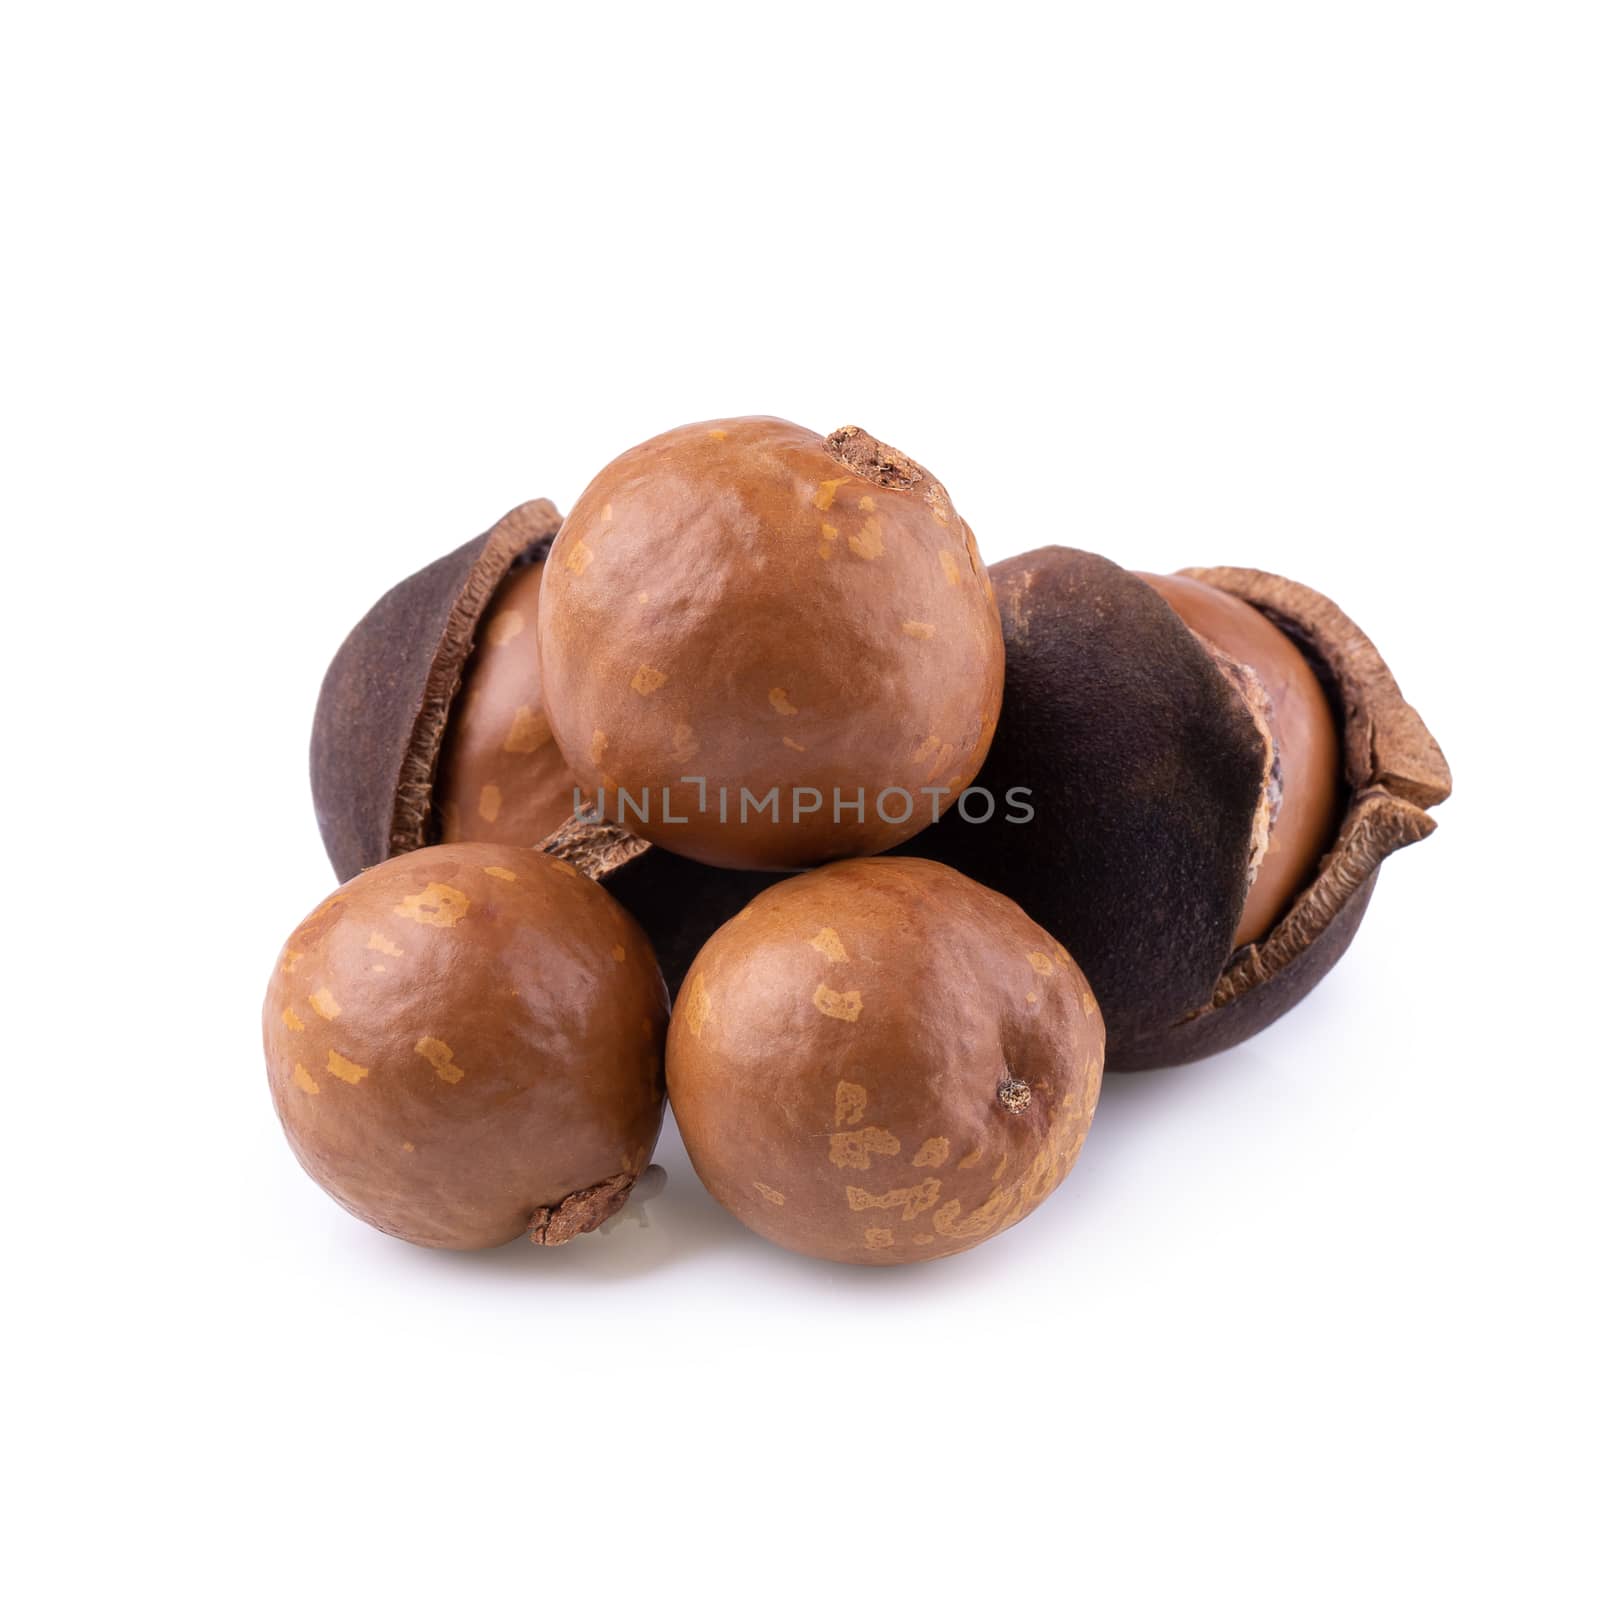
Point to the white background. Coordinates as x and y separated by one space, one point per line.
299 297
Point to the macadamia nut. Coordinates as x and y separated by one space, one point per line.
464 1043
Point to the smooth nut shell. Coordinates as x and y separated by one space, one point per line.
464 1044
501 776
882 1061
1307 794
748 603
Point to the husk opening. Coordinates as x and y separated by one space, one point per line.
1393 766
521 535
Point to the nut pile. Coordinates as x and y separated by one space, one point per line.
911 850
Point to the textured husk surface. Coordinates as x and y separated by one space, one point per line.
386 698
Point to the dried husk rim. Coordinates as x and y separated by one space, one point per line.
387 695
1395 771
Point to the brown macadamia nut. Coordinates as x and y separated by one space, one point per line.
1148 754
743 611
882 1062
465 1044
501 777
1305 791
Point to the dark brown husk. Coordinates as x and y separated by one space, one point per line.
387 695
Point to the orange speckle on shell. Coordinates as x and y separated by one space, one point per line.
841 1006
440 1057
325 1006
505 874
849 1102
304 1080
917 630
911 1201
343 1067
437 906
647 680
868 544
698 1006
778 699
528 732
291 1020
855 1147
